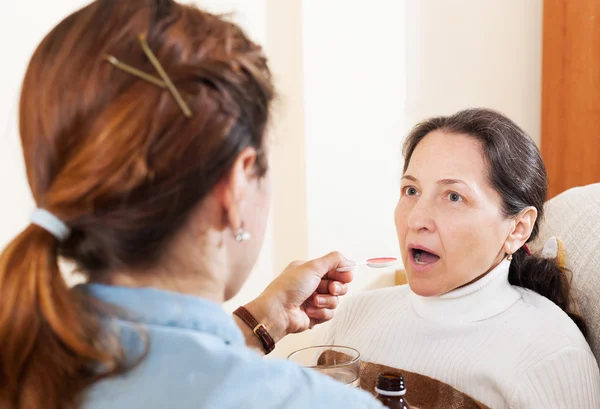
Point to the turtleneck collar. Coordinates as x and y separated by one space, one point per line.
478 301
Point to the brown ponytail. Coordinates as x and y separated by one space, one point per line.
115 158
43 323
545 277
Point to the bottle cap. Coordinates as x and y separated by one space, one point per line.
390 384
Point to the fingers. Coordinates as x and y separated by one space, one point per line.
319 314
325 301
332 287
321 308
319 301
329 262
346 277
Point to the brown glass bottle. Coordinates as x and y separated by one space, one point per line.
391 389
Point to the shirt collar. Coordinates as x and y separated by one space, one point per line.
151 306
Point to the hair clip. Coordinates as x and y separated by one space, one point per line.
164 81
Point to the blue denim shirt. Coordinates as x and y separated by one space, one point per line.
197 358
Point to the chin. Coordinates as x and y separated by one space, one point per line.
423 287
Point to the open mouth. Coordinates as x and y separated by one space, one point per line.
423 257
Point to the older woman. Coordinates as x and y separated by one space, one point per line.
480 312
143 132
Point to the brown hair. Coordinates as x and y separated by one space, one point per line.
517 172
115 158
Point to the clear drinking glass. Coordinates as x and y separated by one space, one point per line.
339 362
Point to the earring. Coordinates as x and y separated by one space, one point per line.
242 235
509 257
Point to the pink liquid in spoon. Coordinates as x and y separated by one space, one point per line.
374 262
381 260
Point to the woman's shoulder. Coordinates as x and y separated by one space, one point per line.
544 320
555 364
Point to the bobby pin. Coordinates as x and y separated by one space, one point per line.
134 71
164 83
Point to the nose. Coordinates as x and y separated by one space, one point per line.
420 217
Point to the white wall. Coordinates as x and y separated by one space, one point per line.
466 53
354 87
288 159
354 91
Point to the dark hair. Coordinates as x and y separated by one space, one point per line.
518 174
117 160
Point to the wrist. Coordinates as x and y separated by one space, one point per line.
271 315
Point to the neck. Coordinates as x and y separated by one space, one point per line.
491 295
200 286
193 267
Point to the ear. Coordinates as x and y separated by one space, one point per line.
520 230
232 189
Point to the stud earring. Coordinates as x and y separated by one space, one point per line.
242 235
509 257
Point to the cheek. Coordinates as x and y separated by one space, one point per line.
470 244
400 216
459 239
401 220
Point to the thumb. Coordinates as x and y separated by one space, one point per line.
329 262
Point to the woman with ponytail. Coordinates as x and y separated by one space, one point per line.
480 312
143 132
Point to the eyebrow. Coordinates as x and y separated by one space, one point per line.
452 182
440 182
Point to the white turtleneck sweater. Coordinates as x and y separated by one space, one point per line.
503 345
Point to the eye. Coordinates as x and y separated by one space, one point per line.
454 197
410 191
